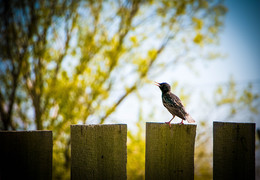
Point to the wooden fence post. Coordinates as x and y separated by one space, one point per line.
98 151
169 151
26 155
233 150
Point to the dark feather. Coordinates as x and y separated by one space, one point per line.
173 105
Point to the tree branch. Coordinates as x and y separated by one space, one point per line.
113 108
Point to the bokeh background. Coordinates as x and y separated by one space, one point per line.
89 62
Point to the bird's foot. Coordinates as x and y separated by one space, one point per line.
169 122
181 122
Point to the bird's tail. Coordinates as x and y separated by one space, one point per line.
189 119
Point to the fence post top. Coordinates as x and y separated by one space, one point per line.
232 122
72 125
31 131
173 124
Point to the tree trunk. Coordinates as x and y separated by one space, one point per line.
38 116
37 110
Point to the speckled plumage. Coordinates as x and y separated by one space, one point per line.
173 104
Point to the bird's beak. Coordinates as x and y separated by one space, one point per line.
156 84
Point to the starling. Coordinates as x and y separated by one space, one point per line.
173 104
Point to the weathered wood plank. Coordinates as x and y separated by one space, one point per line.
169 151
26 155
98 151
233 151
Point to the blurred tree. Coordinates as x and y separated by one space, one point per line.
28 35
236 99
136 151
66 62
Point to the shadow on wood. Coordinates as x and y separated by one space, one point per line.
98 151
233 150
169 151
26 155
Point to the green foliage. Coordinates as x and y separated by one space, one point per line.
62 62
237 99
136 151
203 154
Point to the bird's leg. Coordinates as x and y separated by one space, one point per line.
169 122
182 122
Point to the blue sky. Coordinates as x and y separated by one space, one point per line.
241 38
240 42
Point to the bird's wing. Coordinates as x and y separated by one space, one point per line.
173 100
174 105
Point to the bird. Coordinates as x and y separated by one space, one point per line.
173 104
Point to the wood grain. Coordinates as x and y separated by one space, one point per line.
169 151
26 155
98 151
233 150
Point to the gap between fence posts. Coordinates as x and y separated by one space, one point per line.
169 151
98 151
233 151
26 155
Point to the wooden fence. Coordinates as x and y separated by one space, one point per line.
25 155
169 151
99 152
233 150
